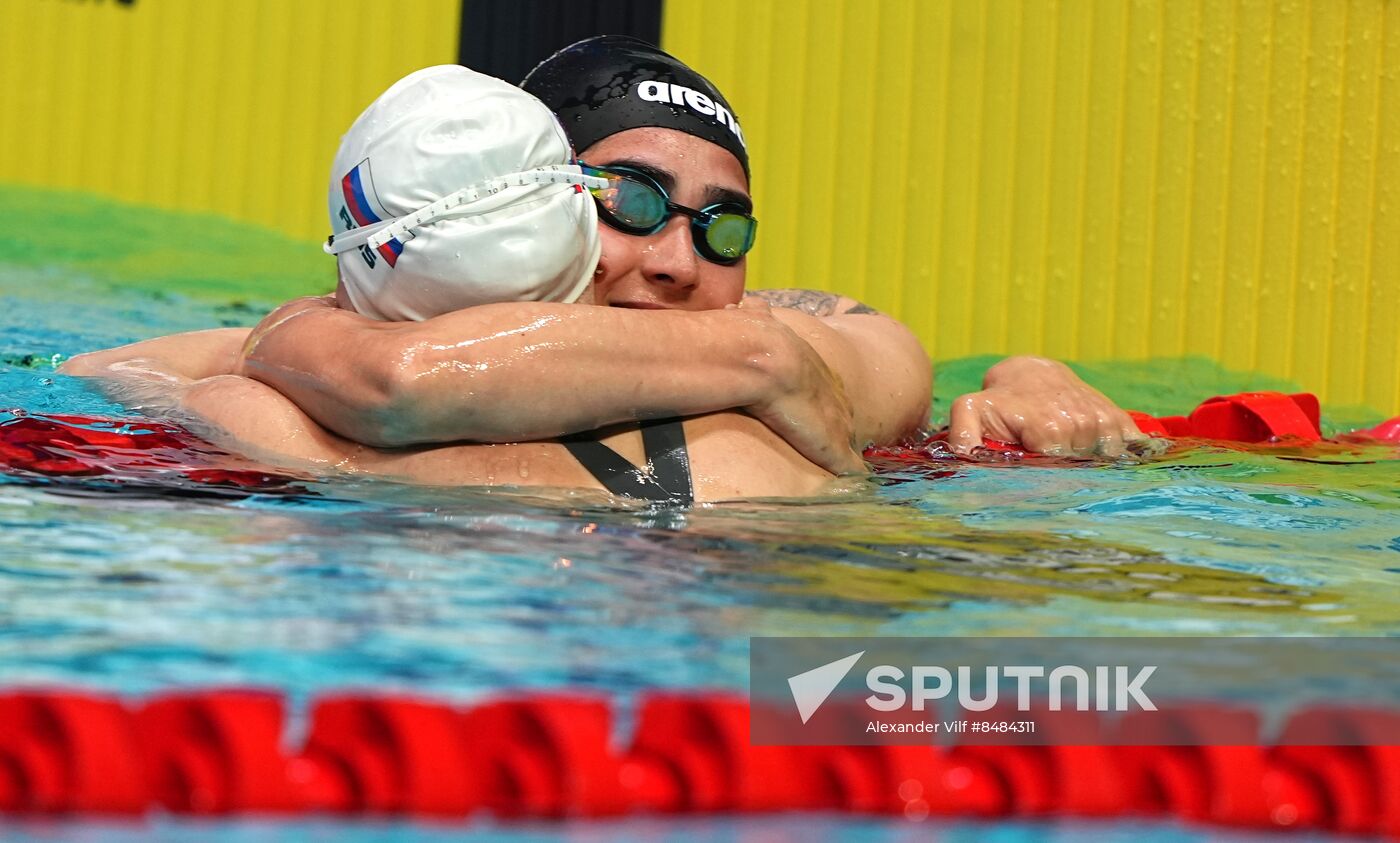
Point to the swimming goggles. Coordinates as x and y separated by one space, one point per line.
633 202
456 204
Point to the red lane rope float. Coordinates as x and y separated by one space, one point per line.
1255 418
70 446
1246 417
140 451
222 753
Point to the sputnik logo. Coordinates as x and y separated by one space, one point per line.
810 689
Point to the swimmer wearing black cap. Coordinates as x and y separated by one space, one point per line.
631 107
733 455
669 341
601 86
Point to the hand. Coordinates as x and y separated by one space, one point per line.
810 409
1044 407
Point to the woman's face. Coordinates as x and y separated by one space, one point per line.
663 270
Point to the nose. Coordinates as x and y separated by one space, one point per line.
669 258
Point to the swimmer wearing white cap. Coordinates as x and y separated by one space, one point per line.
512 372
630 107
456 189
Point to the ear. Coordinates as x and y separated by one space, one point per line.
342 297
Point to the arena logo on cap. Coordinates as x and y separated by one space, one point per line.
701 103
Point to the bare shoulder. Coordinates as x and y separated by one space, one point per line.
254 419
813 302
195 354
884 367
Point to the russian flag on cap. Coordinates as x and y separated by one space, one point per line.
391 251
364 206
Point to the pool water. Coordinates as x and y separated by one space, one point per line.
455 593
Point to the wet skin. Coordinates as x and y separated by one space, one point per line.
663 270
406 393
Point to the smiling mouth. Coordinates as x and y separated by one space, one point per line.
640 305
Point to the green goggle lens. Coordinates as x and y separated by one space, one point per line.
731 235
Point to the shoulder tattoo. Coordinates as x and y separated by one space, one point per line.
812 302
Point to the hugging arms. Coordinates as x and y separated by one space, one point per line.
660 328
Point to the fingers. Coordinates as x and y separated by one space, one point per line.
1129 429
1060 428
1084 432
841 423
1110 439
1049 436
965 425
1054 414
1101 436
835 451
850 462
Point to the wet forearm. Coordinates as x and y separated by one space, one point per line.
193 355
514 372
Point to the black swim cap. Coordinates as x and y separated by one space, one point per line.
609 84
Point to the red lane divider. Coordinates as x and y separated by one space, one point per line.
216 752
546 756
222 752
1260 418
386 756
1360 776
69 752
135 449
142 450
1246 417
1386 431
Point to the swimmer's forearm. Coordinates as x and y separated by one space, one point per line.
502 373
193 355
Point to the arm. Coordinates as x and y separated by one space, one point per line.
1044 406
255 420
1036 402
518 371
186 376
192 355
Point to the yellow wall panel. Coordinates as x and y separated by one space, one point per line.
230 106
1382 321
1030 185
1083 178
1064 252
922 206
1103 177
1131 314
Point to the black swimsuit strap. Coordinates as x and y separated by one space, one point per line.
663 441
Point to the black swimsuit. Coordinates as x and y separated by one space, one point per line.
665 477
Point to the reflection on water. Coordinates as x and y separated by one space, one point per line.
141 585
368 583
759 829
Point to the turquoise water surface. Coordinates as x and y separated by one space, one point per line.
456 593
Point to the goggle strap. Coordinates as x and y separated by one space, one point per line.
379 233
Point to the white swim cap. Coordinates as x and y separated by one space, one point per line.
455 189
